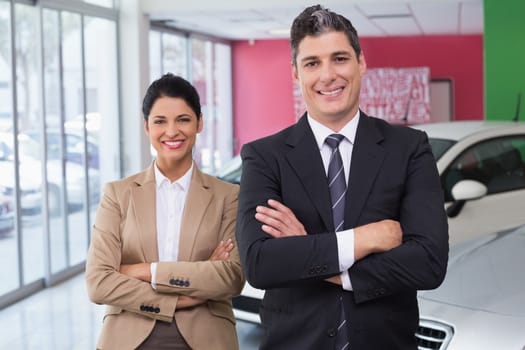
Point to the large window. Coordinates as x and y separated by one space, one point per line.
207 64
51 169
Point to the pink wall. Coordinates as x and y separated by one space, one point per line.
262 89
262 82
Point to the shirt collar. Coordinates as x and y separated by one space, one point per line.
183 181
321 132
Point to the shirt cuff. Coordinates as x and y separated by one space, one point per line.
345 249
153 270
345 280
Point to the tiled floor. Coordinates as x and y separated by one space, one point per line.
62 318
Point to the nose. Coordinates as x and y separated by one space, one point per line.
171 129
328 72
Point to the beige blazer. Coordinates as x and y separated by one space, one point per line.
125 233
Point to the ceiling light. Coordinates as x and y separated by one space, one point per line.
279 31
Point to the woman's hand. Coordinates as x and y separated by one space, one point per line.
220 253
141 271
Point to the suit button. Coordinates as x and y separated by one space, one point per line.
186 283
325 268
157 310
331 332
173 281
150 308
142 308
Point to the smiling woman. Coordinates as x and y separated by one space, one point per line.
162 246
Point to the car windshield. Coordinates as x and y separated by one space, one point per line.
486 275
231 171
440 146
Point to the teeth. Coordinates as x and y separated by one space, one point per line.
333 92
172 143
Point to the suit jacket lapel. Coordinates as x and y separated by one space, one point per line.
305 159
143 202
197 201
367 157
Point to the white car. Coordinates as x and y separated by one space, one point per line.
491 155
481 303
30 170
482 170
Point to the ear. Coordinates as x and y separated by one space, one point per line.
295 74
146 128
362 63
200 124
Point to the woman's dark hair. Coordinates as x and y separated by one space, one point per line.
170 85
316 20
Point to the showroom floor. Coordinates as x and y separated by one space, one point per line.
62 318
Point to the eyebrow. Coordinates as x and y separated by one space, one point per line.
336 53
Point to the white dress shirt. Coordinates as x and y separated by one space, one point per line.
170 200
345 238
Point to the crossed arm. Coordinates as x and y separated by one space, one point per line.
142 271
279 221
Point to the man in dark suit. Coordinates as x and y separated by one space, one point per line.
341 216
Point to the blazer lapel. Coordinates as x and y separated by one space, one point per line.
197 201
305 159
367 157
143 202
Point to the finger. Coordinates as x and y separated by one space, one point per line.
269 221
271 231
272 217
280 207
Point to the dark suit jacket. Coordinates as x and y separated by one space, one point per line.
393 176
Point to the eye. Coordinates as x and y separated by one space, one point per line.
184 120
341 59
158 121
310 64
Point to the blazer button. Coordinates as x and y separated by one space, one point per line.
157 310
331 332
142 308
186 283
173 281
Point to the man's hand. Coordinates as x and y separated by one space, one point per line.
278 220
376 237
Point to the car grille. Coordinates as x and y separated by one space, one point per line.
432 335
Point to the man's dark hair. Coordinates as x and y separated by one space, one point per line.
170 85
316 20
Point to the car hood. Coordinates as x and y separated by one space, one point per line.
486 275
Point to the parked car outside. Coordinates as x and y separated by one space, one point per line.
482 170
30 167
74 144
480 304
30 187
7 217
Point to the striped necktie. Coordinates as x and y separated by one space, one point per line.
337 185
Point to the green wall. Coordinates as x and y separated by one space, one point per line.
504 48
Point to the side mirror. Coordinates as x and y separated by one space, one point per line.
465 190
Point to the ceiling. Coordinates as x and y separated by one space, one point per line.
267 19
